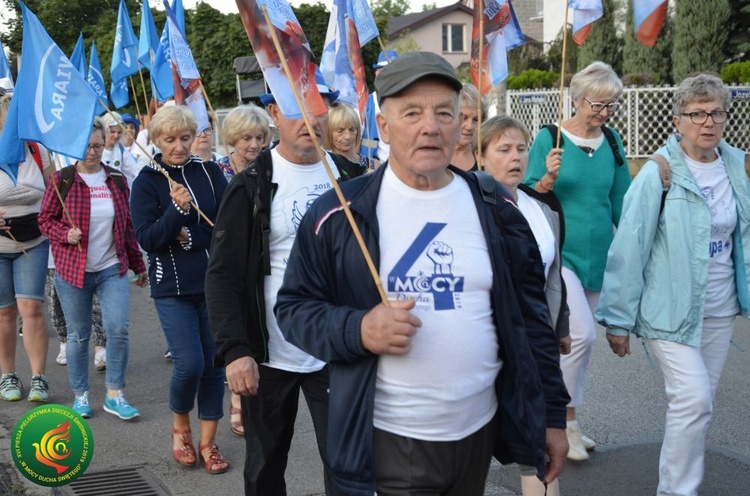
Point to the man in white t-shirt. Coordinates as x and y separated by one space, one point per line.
461 362
260 213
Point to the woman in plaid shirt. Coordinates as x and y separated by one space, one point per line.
93 247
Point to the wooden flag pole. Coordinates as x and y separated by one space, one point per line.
480 3
154 162
322 155
64 208
218 128
135 98
562 75
382 49
145 93
20 247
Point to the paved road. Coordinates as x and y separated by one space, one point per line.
624 412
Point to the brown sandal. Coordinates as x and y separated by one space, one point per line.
185 455
215 463
235 421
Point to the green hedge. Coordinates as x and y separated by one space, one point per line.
736 72
534 79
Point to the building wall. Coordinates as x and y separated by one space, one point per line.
429 37
532 24
554 17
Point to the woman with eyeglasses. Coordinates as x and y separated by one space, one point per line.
94 246
204 142
589 175
679 270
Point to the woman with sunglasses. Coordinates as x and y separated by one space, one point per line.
589 175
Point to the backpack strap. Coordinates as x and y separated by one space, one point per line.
665 173
117 177
486 186
610 135
552 128
36 153
67 175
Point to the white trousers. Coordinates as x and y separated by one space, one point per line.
690 379
582 303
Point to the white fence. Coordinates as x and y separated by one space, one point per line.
644 121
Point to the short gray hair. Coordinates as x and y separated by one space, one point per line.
245 119
470 98
597 79
700 88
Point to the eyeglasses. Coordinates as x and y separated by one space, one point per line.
597 107
701 116
96 148
208 131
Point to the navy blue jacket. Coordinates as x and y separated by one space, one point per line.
327 290
175 269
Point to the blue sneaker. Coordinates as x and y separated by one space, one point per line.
119 406
81 405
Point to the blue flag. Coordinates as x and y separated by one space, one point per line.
148 42
96 79
179 15
6 79
187 79
124 58
78 58
161 72
58 104
350 26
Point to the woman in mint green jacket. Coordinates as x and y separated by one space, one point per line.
677 274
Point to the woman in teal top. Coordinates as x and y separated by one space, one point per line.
590 176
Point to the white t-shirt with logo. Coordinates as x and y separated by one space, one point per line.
721 290
545 238
101 245
432 249
299 186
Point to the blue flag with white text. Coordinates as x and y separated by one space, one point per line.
124 58
149 40
78 57
58 104
6 78
96 79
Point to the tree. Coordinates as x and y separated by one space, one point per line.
652 63
602 42
738 31
389 8
700 36
554 55
62 19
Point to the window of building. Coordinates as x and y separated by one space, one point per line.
453 38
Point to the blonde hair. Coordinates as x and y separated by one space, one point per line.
245 119
470 98
598 79
343 116
170 119
4 106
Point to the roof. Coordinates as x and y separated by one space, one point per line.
399 24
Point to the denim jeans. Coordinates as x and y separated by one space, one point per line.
185 323
22 276
113 292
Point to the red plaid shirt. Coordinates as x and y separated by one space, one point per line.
70 263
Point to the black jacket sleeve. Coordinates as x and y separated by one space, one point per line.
226 275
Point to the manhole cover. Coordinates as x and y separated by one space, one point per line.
135 481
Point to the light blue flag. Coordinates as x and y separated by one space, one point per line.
6 78
57 102
189 92
78 58
96 79
161 72
179 14
124 58
149 41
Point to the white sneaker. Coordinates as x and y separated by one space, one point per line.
100 360
587 442
62 359
576 450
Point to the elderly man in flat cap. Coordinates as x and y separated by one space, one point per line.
461 363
